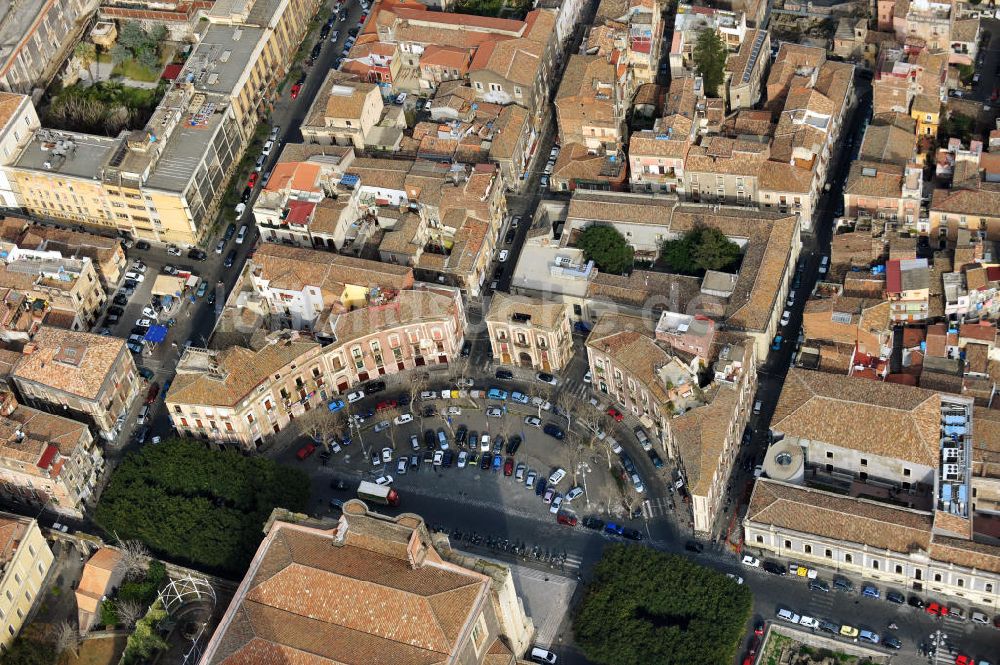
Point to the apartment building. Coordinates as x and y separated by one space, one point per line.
530 332
972 204
589 107
925 23
840 329
885 182
629 32
299 288
246 394
689 21
889 504
69 288
439 605
90 377
25 560
750 301
657 156
699 427
725 170
343 113
164 181
243 394
46 460
907 284
106 254
745 69
35 37
18 122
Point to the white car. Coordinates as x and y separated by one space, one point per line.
403 418
357 395
135 274
463 457
381 427
428 394
384 480
735 578
515 221
401 466
494 412
533 421
556 504
454 411
556 476
616 447
149 312
785 317
386 455
588 377
503 255
573 493
809 622
465 383
334 36
267 148
484 443
143 323
545 377
750 561
540 402
414 442
787 615
139 266
401 98
438 456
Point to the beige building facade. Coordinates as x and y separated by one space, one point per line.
25 559
78 374
530 332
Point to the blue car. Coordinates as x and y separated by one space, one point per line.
497 463
614 529
496 393
776 344
335 405
520 398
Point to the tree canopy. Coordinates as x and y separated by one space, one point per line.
698 250
710 60
196 506
607 248
644 606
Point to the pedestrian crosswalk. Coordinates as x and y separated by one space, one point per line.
576 386
655 507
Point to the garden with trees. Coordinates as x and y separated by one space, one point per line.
644 606
607 248
699 250
196 506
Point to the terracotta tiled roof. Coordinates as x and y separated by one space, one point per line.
78 363
628 340
510 127
982 202
9 103
408 307
877 525
96 577
295 268
840 409
351 598
873 179
700 437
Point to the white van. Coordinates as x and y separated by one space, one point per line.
242 235
787 615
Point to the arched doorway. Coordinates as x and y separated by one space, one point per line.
524 358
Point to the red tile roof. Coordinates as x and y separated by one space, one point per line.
299 212
893 277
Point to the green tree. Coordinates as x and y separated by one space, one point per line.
133 37
698 250
607 248
710 60
198 507
120 54
86 53
715 251
644 606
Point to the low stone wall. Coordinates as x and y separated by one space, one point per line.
818 641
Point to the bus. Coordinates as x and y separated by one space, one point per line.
378 493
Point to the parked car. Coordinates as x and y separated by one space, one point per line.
557 476
554 431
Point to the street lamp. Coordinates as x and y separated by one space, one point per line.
937 641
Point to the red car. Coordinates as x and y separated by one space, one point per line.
568 520
361 21
154 390
936 610
508 467
305 451
295 90
386 405
962 659
615 413
253 180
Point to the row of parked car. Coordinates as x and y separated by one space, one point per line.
842 630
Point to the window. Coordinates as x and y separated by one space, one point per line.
760 539
989 587
848 558
960 582
808 549
906 473
874 564
937 577
829 455
864 462
829 554
480 633
788 544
